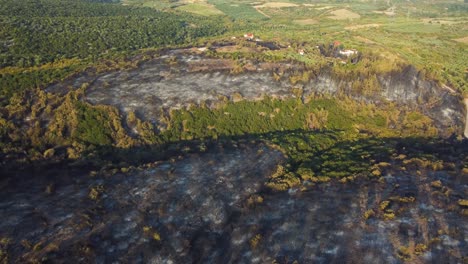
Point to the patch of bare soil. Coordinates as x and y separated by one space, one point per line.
462 40
343 14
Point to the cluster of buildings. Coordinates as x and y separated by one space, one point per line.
335 49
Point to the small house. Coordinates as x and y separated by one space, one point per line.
249 36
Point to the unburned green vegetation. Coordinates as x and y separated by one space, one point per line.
78 29
321 135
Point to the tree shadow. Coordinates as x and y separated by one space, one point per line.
321 146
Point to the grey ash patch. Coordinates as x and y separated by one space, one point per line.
184 201
196 210
178 79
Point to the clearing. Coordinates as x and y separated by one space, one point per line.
203 9
462 40
343 14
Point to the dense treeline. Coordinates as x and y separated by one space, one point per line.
68 8
18 82
36 32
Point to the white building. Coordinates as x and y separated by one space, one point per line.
348 53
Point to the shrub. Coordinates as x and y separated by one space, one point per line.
255 240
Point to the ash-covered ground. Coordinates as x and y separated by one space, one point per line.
213 207
176 80
179 78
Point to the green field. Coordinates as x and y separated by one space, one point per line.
237 9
